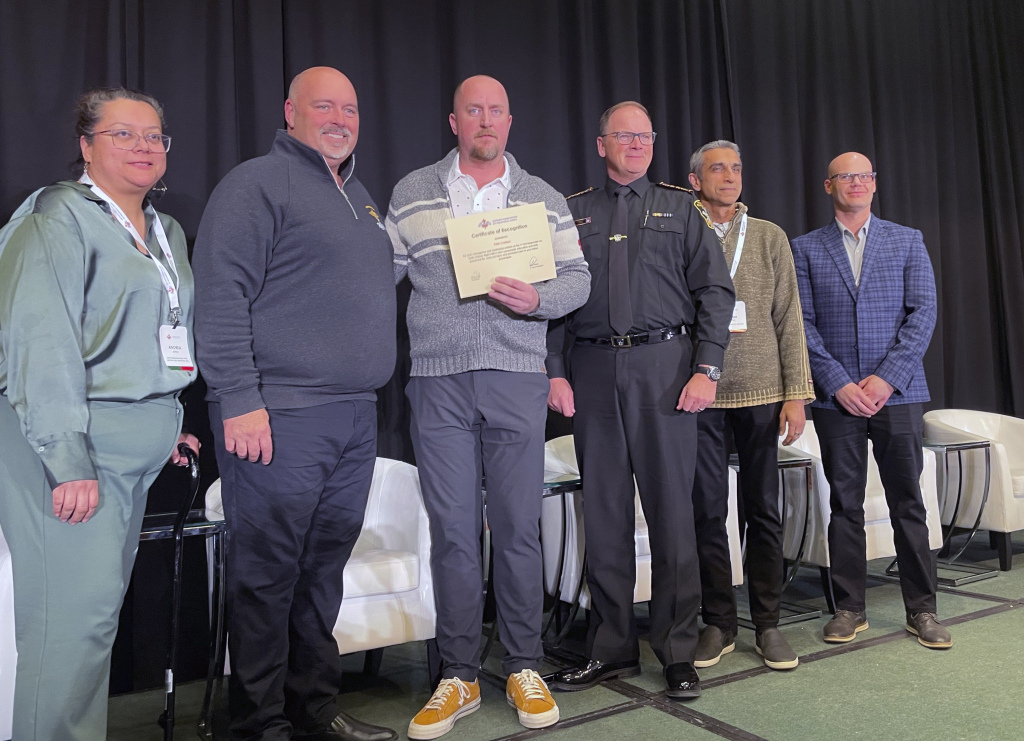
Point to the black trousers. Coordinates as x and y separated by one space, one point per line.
292 525
896 433
755 431
626 424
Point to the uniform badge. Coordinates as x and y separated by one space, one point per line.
373 213
660 216
704 213
581 222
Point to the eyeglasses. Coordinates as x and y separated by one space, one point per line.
124 139
626 138
849 177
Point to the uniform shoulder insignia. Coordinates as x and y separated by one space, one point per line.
581 192
704 213
675 187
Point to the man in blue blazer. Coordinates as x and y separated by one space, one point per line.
868 296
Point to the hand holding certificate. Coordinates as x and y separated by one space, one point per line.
511 243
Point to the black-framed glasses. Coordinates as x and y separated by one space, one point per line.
625 138
125 139
849 177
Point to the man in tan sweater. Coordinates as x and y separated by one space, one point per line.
761 396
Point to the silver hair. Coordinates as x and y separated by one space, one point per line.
89 111
697 158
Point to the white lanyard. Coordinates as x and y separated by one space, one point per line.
739 246
170 285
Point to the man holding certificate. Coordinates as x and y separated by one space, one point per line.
478 388
646 355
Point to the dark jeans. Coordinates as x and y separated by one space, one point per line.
292 525
756 433
896 433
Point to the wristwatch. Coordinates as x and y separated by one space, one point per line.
710 371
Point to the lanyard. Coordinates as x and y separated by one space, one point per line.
739 246
170 285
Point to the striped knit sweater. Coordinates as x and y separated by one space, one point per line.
450 335
768 362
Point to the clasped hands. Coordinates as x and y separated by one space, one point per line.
864 399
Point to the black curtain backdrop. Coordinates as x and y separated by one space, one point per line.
926 88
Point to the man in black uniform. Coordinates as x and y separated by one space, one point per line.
637 382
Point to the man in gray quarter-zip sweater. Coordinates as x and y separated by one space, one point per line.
477 396
295 329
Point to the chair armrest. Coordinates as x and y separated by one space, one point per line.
940 432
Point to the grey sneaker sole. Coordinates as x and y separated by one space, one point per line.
778 665
705 663
929 644
847 638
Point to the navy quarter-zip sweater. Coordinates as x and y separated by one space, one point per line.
295 297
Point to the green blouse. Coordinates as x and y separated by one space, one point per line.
80 311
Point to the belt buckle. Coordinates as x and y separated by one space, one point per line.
621 340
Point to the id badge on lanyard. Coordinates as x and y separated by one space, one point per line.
739 311
172 337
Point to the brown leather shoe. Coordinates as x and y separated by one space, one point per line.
929 631
845 626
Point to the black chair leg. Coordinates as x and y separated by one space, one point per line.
1004 546
826 587
371 664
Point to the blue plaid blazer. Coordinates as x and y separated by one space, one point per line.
881 327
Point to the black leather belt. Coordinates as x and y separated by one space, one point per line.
640 338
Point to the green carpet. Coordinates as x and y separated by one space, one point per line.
882 686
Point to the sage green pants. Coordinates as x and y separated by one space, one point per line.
70 580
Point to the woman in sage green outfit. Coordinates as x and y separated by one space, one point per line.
95 346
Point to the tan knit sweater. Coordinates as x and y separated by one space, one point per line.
768 362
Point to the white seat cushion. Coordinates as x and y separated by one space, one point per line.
374 572
641 537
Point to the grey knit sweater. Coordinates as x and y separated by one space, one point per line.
450 335
768 362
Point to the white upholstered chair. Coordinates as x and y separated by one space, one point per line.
8 650
560 460
389 594
1004 512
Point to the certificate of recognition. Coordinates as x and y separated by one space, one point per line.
511 243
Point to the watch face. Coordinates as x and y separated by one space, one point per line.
714 373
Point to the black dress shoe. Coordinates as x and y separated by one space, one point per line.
346 728
591 673
682 680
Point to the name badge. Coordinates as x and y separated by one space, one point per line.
739 318
174 347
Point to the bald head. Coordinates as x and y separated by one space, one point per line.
480 119
849 162
322 111
473 83
851 183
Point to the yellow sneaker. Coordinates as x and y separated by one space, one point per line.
528 694
452 699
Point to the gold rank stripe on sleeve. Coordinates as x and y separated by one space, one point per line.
581 192
673 187
704 213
